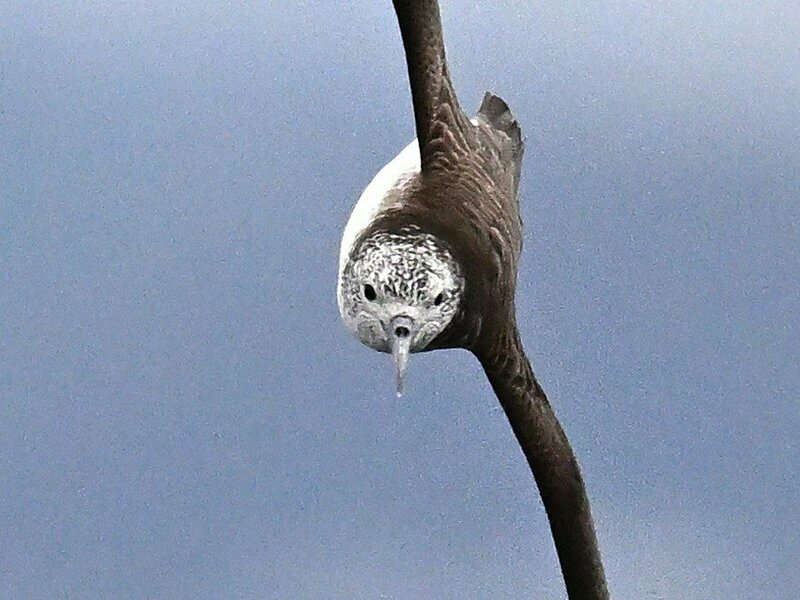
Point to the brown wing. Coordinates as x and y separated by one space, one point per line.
552 462
441 124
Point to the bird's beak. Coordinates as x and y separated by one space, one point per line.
402 330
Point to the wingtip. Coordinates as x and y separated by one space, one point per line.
493 105
495 111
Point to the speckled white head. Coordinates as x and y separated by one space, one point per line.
398 291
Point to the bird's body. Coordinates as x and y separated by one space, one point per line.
429 260
377 197
402 197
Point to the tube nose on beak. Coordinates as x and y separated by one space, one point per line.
401 330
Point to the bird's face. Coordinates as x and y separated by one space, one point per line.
398 292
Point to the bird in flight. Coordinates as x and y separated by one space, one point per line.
429 259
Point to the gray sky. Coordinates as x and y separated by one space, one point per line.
182 415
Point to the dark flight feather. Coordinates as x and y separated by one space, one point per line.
466 195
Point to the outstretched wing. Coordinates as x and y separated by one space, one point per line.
552 462
441 124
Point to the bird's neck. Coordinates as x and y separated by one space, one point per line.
440 122
552 462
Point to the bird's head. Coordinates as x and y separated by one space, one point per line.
398 292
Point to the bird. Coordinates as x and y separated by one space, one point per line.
429 260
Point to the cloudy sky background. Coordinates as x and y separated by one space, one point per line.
183 416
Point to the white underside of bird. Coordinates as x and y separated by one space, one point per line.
373 199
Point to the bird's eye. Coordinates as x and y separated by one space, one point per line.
369 292
438 300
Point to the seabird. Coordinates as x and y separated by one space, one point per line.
429 260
